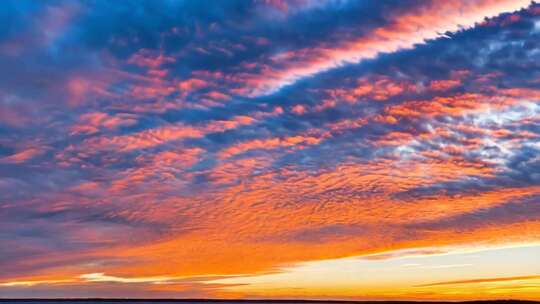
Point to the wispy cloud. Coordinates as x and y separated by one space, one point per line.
486 280
147 142
101 277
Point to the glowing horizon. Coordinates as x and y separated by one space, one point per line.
385 150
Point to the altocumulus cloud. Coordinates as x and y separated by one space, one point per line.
143 142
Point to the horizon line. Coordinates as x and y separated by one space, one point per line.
252 300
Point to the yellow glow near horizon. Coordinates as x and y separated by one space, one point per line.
452 273
462 273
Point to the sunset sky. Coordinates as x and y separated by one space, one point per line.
321 149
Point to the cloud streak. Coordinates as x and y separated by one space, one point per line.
154 141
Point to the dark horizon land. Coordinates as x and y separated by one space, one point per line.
261 301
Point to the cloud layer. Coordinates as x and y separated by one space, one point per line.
174 139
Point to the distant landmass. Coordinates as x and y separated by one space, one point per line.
185 301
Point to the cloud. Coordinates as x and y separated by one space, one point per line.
166 140
488 280
33 283
101 277
22 156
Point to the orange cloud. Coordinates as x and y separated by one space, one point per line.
92 122
268 144
22 156
486 280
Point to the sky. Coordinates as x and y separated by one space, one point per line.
326 149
